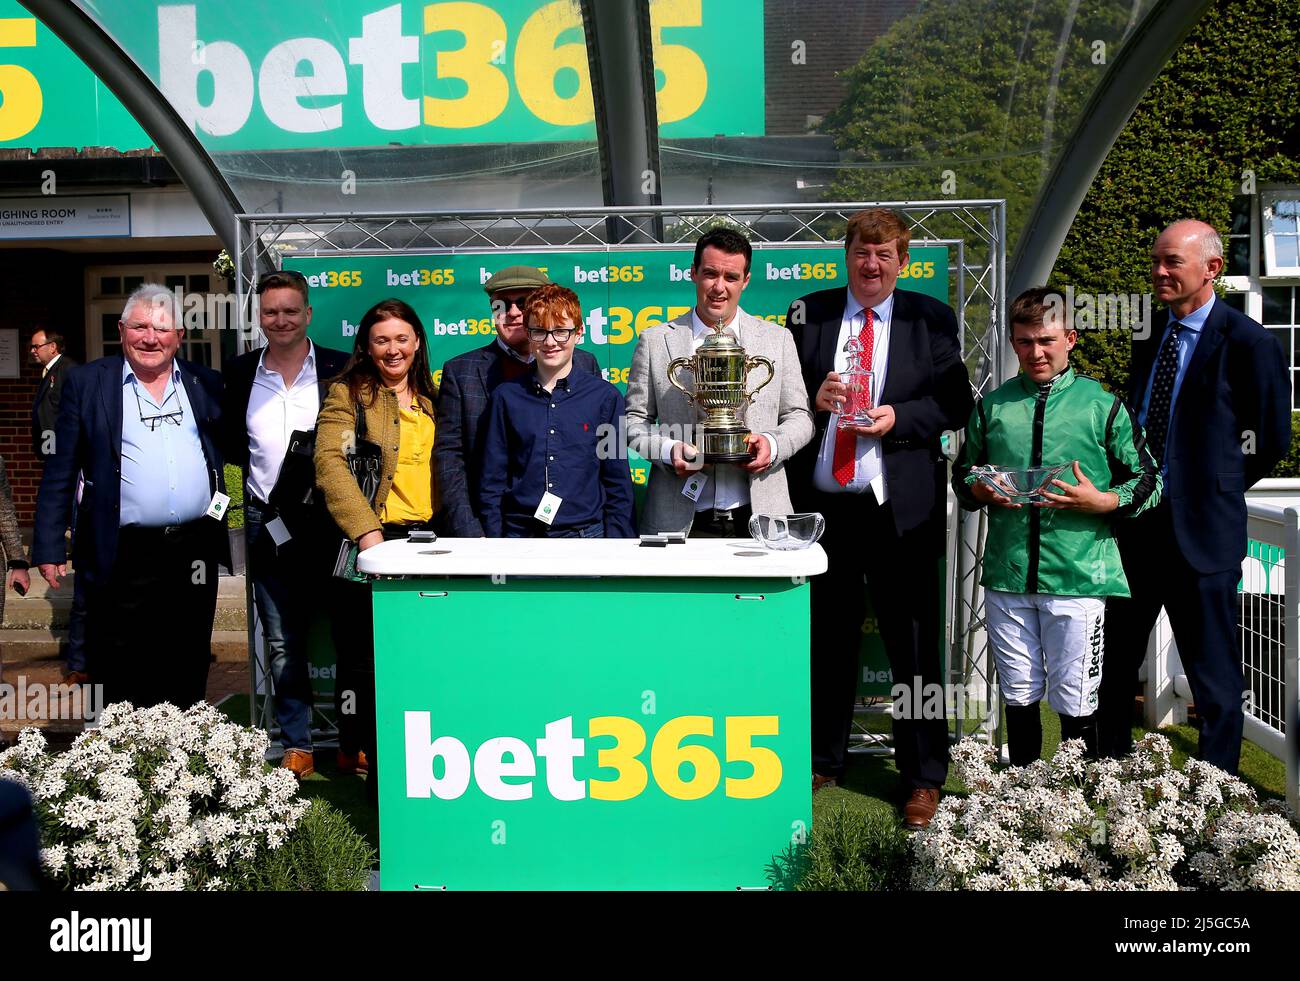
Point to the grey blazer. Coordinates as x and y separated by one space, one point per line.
780 409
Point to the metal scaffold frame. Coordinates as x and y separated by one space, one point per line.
974 231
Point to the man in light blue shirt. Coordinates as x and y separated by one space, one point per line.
1189 332
142 426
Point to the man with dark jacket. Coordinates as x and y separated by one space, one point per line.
882 490
1210 387
271 394
468 380
143 427
47 351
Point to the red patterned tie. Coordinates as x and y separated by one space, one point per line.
845 460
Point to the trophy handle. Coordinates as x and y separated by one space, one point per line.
673 367
751 364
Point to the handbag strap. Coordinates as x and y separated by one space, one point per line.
360 425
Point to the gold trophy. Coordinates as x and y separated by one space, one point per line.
721 368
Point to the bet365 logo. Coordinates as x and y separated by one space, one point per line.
505 768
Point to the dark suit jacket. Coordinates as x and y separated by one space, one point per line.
467 382
1231 425
45 409
89 441
925 382
238 375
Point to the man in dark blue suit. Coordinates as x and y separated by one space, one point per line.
143 427
882 489
1210 387
467 382
271 394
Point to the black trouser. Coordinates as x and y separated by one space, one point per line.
149 633
721 524
901 573
1202 611
352 625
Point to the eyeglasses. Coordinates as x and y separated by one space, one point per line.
155 420
507 302
561 334
37 347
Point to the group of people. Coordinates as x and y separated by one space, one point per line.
508 447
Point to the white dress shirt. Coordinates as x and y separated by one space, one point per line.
869 474
728 485
50 364
274 412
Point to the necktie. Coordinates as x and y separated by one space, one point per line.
845 461
1162 394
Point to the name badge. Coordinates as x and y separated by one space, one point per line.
217 509
278 531
545 512
695 485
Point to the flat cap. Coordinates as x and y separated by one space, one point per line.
515 278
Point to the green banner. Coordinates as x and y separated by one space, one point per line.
304 74
622 292
536 751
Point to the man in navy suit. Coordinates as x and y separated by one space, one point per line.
143 427
1210 388
882 490
271 394
467 382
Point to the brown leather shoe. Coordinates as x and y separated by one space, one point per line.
76 678
920 808
820 781
352 762
300 761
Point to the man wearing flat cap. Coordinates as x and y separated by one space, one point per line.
468 380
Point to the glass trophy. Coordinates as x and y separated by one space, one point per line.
856 378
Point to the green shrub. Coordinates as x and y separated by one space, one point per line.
324 853
235 488
852 851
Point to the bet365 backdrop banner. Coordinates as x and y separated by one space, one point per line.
621 292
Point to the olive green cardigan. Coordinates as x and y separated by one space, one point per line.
334 432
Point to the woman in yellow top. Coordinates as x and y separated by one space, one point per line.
388 380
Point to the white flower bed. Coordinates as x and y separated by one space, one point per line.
1071 823
155 798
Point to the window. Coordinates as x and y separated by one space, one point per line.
1281 320
1281 214
1237 246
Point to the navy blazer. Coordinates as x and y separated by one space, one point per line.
1231 426
468 381
925 382
238 374
89 441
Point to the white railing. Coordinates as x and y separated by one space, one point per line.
1269 638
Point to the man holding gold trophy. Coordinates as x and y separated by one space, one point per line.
716 402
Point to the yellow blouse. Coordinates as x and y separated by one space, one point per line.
410 499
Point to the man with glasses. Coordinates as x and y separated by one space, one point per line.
272 398
468 381
47 351
142 427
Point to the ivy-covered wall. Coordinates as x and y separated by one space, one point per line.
1222 118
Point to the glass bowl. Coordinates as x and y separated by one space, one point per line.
787 532
1020 485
